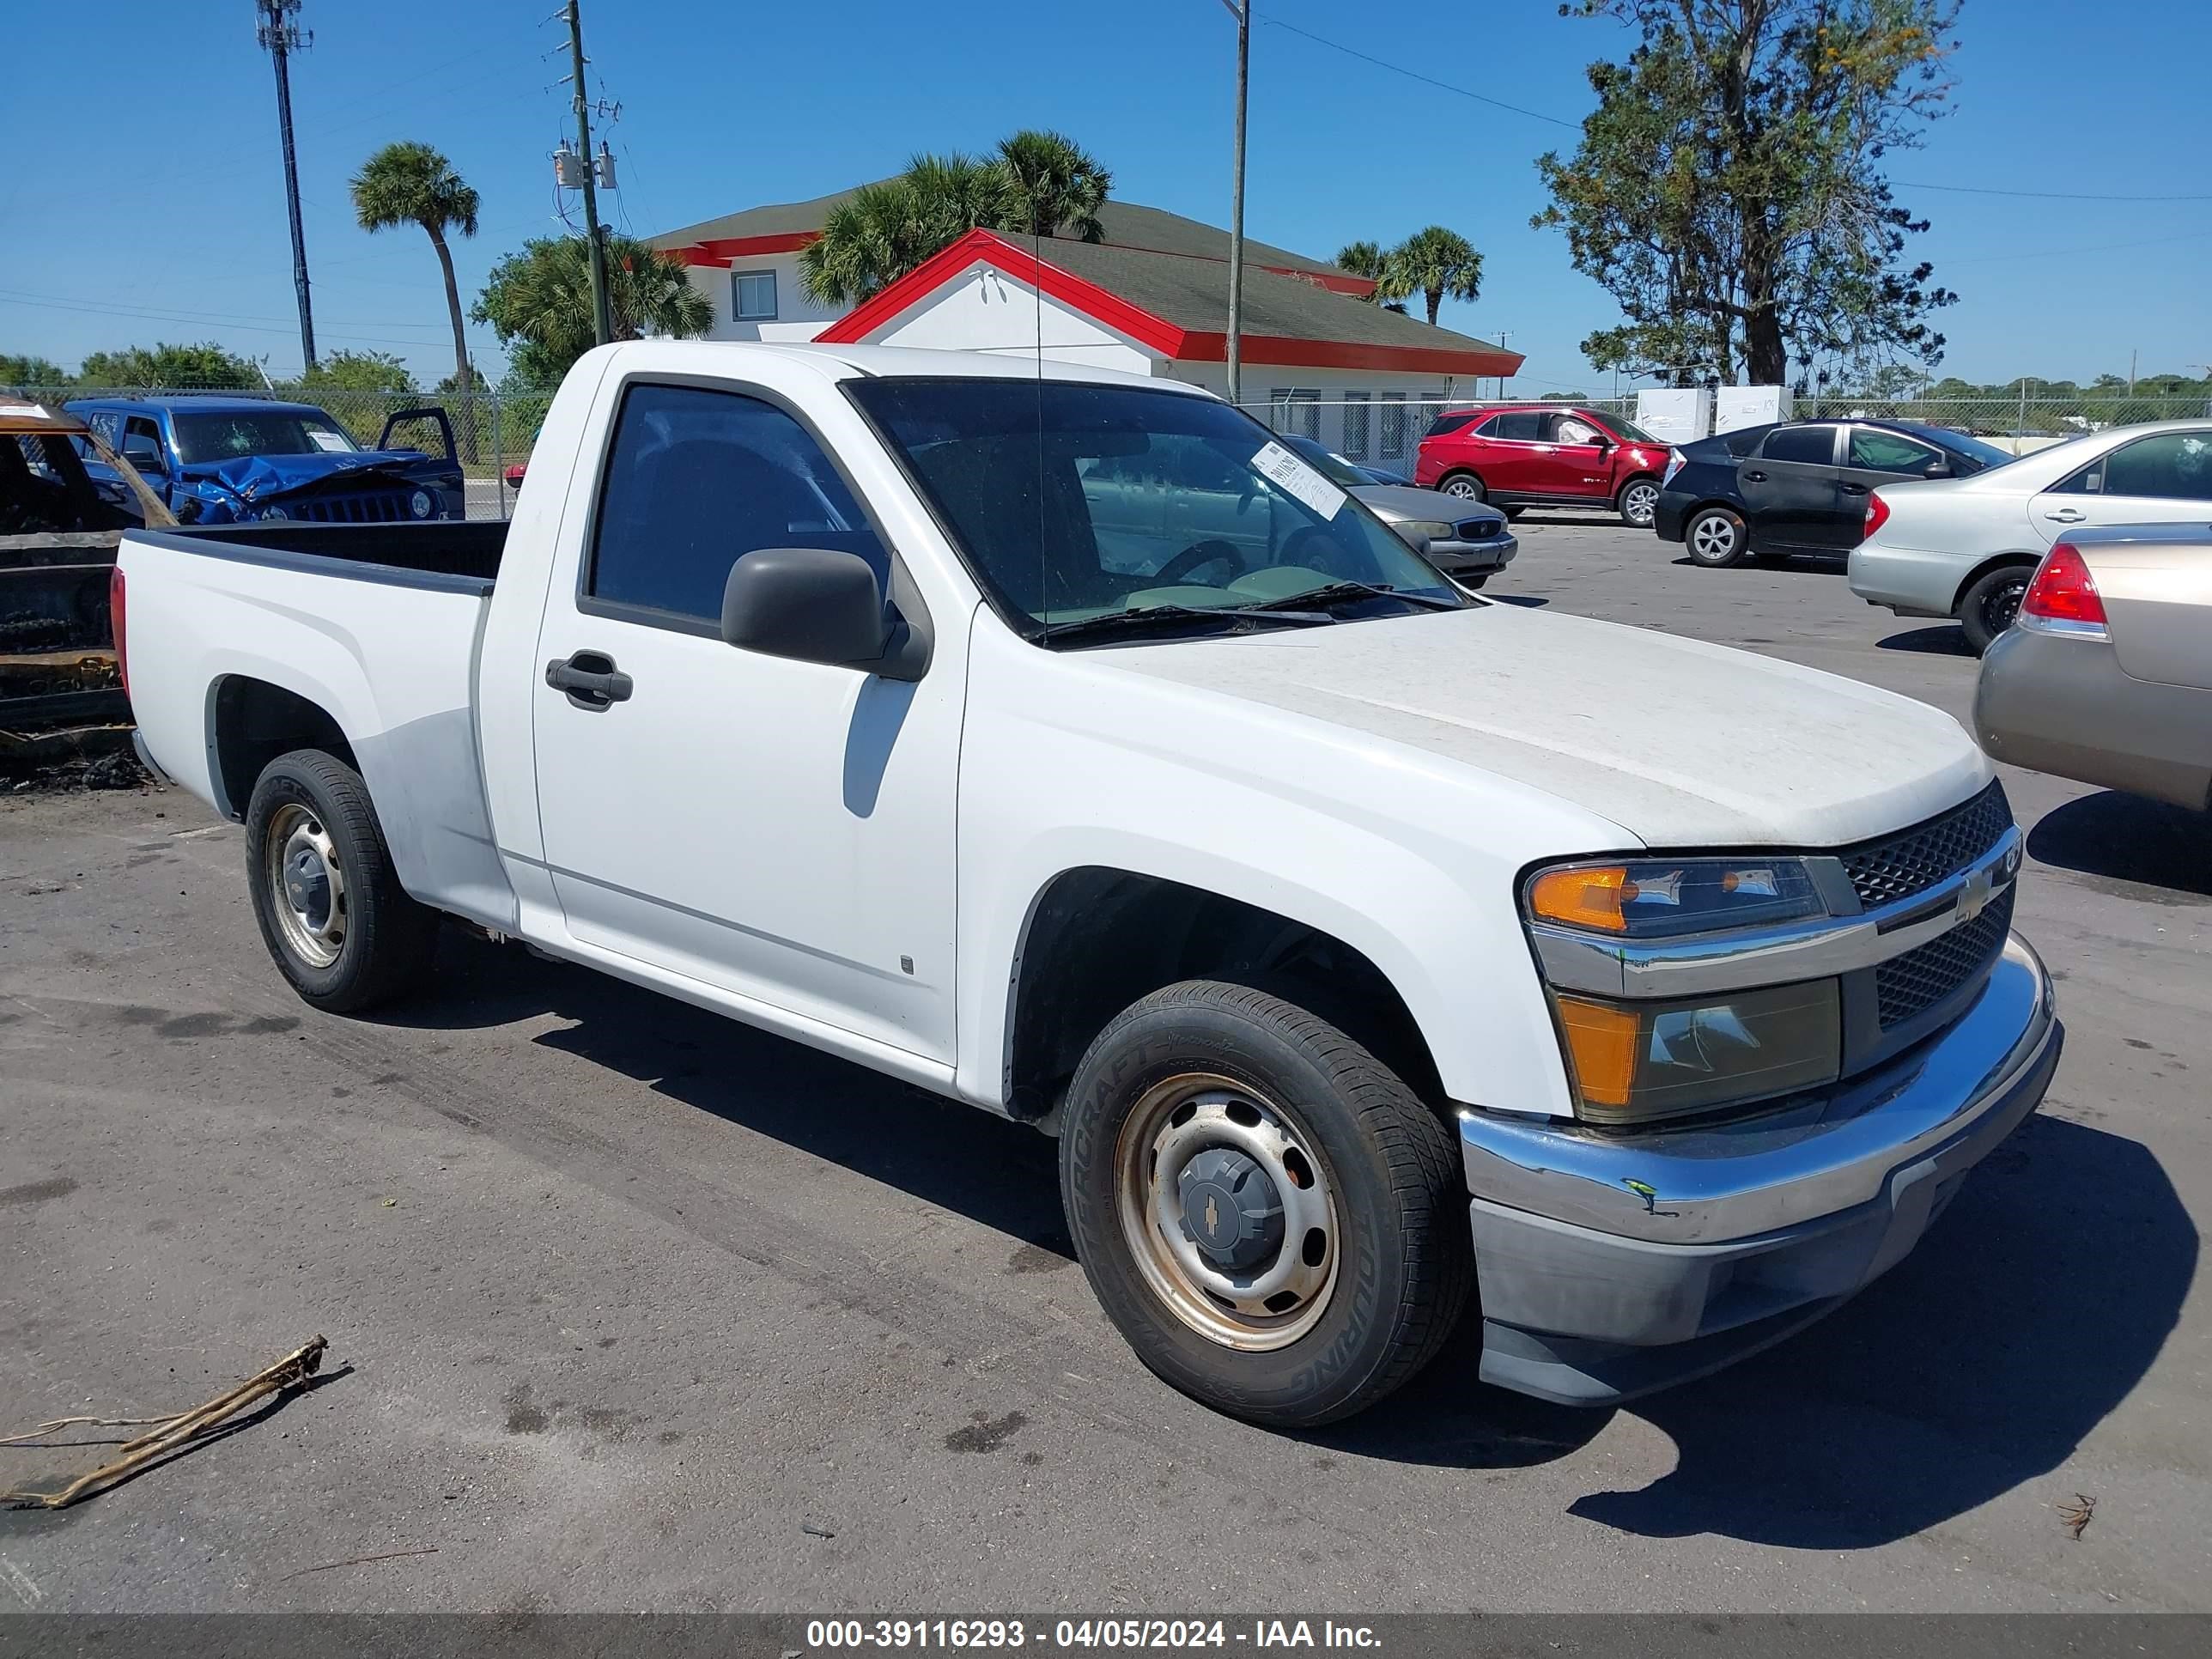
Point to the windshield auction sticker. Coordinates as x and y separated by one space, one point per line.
1299 479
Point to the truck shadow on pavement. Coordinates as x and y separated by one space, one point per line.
2032 1308
2114 837
2036 1305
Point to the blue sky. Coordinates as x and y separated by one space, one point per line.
165 219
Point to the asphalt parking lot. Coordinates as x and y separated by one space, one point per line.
633 1307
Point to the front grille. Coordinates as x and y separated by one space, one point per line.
1478 529
1898 866
352 509
1908 986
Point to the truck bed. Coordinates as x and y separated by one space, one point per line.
469 552
243 640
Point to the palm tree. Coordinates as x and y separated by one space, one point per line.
412 184
540 302
1380 266
1055 185
1439 264
1038 184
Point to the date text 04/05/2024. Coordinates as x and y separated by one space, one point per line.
1115 1634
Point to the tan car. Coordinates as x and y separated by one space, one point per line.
2107 676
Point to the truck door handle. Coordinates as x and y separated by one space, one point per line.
2067 515
590 679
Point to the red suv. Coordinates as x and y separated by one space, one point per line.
1543 455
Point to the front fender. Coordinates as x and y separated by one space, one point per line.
1408 859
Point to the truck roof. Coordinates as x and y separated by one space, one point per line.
846 362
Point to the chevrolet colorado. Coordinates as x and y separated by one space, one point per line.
1367 946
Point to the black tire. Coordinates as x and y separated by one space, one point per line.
1637 501
1464 486
1726 539
1512 513
1473 581
1399 1262
1991 602
388 940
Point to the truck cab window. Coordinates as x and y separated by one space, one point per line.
698 479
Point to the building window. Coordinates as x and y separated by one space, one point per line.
1394 425
752 297
1355 425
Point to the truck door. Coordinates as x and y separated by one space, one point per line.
778 829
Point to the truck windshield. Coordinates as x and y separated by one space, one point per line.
207 435
1073 502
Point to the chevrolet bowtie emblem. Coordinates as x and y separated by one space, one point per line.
1212 1217
1974 896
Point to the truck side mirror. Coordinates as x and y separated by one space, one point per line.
815 605
145 457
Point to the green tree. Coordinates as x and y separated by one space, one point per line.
1055 188
31 370
412 184
206 366
1438 264
1038 183
538 301
360 371
1730 189
1374 262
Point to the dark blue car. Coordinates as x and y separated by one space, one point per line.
238 460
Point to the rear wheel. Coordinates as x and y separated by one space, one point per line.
1637 502
1715 537
1272 1220
331 910
1465 486
1988 607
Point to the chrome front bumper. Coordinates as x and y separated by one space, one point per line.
1612 1264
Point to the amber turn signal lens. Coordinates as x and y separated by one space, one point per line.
1589 897
1602 1045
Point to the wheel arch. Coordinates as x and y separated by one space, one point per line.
1098 938
1984 567
250 721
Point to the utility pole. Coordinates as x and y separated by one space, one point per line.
602 326
1504 335
281 37
2131 371
1235 351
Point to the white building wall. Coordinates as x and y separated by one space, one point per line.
796 316
983 309
1371 415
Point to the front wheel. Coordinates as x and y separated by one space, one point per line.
1989 606
1465 487
1637 502
1273 1220
1717 537
331 910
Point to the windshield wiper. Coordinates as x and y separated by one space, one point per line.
1337 592
1175 618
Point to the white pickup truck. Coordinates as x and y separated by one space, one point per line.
1365 945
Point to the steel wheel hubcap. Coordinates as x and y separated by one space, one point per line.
1714 536
307 886
2002 605
1642 501
1228 1212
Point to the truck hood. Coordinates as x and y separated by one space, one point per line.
265 477
1679 743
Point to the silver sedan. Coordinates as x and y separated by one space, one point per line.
2106 677
1467 540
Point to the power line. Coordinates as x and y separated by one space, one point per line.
2045 195
1412 75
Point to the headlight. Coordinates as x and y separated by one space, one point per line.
1654 898
421 503
1421 531
1630 1060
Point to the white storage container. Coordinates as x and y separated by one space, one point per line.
1737 406
1676 416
